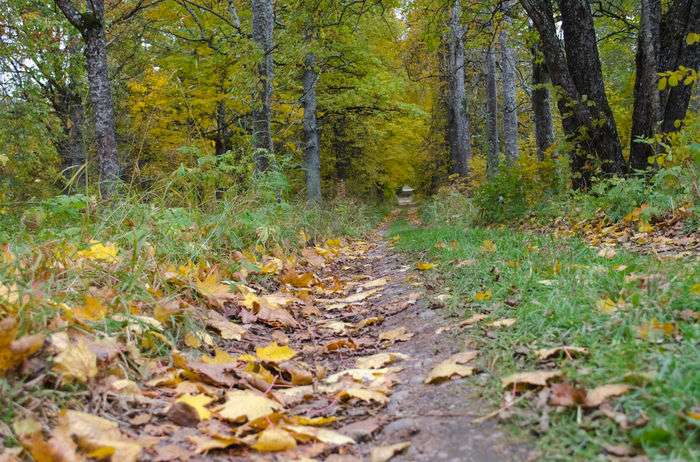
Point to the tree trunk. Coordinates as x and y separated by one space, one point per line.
510 109
263 25
646 95
92 27
581 117
541 108
581 48
491 115
458 124
222 143
682 17
312 153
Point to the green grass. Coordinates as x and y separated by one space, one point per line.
562 311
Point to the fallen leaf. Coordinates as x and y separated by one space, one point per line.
216 293
99 252
92 309
298 280
364 395
488 246
483 296
76 362
100 437
472 320
565 394
569 351
384 453
227 329
607 252
452 366
524 379
198 403
247 404
599 395
503 322
274 439
400 334
275 353
379 360
424 266
323 435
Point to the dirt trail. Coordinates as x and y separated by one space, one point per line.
438 419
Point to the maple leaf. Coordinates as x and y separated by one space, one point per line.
198 403
379 360
99 437
216 293
424 266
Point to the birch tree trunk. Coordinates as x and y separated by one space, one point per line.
646 95
541 107
510 109
458 125
312 152
92 27
492 155
263 27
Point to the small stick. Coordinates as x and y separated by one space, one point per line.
497 411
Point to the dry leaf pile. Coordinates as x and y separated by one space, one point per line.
267 359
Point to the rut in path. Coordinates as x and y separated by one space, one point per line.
438 419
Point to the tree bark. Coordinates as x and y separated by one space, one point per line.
646 95
682 17
92 27
222 143
581 48
510 109
492 155
541 108
587 121
263 26
458 123
312 152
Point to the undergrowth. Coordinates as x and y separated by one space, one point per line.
553 288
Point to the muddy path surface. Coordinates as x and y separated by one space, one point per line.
441 421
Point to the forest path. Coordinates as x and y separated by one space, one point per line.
439 420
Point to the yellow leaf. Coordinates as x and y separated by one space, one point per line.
488 246
323 435
92 309
99 436
247 405
364 394
198 403
483 296
275 353
76 362
384 453
100 252
454 365
507 322
379 360
424 266
662 83
220 357
274 439
312 421
216 293
695 289
193 340
645 227
606 305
